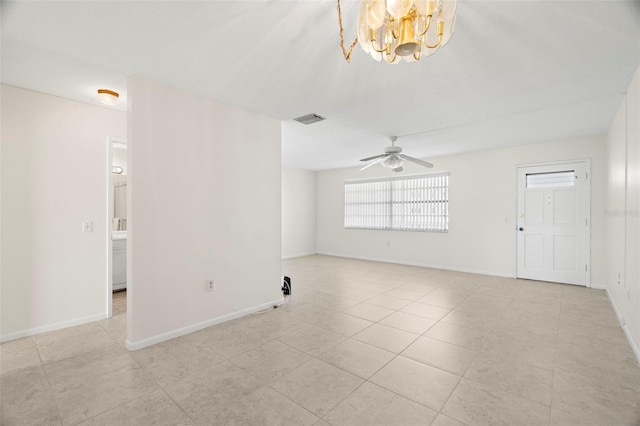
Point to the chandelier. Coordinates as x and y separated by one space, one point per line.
401 29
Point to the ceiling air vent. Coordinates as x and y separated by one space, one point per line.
309 119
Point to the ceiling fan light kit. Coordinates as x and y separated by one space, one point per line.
401 29
393 158
392 161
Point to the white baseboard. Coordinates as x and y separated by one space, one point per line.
298 255
422 265
132 346
634 346
51 327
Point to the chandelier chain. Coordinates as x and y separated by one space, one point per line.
345 52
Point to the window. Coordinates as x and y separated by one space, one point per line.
551 179
413 203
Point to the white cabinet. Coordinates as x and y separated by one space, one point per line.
119 279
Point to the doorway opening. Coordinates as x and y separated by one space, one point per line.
117 227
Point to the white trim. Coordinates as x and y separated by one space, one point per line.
51 327
587 282
109 227
392 178
421 265
623 325
133 346
554 163
310 253
514 222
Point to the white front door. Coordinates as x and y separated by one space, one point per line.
553 223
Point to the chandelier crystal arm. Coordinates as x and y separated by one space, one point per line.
435 45
390 59
394 27
427 24
345 52
373 46
440 32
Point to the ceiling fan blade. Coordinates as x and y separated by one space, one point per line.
374 157
415 160
379 160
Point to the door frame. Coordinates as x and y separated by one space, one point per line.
111 141
587 240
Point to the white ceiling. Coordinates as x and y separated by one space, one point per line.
515 72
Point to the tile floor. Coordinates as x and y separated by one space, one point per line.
119 303
359 343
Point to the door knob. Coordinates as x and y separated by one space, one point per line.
520 229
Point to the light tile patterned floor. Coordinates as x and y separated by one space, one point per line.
358 343
119 303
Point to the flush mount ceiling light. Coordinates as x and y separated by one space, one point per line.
401 29
108 97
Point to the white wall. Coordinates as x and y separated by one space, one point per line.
54 176
204 203
298 212
632 251
482 194
623 213
119 158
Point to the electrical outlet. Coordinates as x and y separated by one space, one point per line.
210 286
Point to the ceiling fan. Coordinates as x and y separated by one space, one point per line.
393 158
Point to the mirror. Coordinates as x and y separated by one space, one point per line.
119 180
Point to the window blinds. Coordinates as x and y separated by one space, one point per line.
413 203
